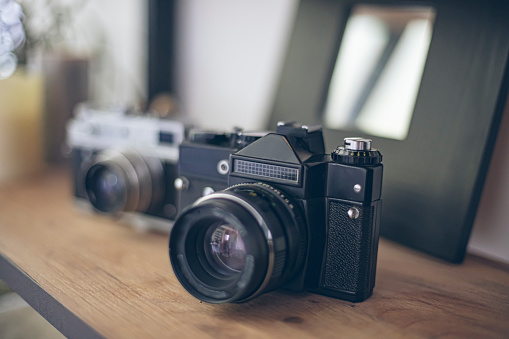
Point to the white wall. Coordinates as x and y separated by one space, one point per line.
115 34
229 57
490 234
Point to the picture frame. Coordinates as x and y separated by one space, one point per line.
433 179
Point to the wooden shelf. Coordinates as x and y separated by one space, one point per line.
93 277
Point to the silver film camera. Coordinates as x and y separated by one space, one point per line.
124 164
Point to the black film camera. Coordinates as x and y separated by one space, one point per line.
124 164
293 217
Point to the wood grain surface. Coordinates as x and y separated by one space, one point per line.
120 282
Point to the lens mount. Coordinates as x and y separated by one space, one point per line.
122 181
233 245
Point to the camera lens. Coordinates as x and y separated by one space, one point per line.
233 245
118 181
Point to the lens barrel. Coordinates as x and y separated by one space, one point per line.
123 181
233 245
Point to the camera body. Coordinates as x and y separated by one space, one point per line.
292 216
124 164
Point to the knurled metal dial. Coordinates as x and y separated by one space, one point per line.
357 151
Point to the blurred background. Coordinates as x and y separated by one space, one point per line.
224 61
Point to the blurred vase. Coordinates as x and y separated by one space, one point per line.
21 135
65 85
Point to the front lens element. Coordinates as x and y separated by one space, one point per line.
106 188
226 250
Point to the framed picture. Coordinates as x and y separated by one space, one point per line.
427 81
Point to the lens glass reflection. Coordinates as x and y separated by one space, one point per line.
106 190
226 250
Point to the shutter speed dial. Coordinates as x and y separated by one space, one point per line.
357 151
